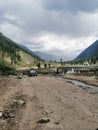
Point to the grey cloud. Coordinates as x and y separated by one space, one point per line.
33 45
11 21
11 8
71 5
36 19
64 24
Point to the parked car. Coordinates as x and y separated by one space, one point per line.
32 72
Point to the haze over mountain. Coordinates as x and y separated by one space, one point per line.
91 51
47 57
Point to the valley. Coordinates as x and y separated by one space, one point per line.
55 96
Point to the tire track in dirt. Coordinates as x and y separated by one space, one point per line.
31 113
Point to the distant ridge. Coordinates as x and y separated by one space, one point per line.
47 57
91 51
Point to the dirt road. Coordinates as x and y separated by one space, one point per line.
65 106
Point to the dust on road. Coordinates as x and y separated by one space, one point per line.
67 106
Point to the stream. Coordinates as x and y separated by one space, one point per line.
90 88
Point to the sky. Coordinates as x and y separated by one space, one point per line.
58 27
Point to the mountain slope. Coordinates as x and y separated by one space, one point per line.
13 55
91 51
29 51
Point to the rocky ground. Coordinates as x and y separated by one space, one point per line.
46 103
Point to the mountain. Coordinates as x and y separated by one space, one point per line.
91 51
13 56
46 57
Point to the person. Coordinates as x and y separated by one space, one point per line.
49 65
57 70
65 71
72 70
45 65
38 65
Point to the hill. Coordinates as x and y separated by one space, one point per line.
29 51
13 56
91 51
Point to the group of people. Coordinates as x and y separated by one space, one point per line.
45 65
64 70
58 70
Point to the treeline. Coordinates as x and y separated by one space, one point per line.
5 66
24 48
9 49
90 60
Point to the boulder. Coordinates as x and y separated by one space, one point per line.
19 102
43 120
11 115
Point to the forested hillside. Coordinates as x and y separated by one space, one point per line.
9 49
91 51
90 54
12 55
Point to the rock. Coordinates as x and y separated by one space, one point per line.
51 111
57 123
1 114
43 120
5 115
19 77
11 115
19 102
41 107
15 101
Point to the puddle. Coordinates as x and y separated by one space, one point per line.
90 88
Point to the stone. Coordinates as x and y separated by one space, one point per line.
41 107
1 114
19 102
19 77
5 115
43 120
15 101
11 115
57 123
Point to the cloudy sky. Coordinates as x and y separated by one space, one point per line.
60 27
